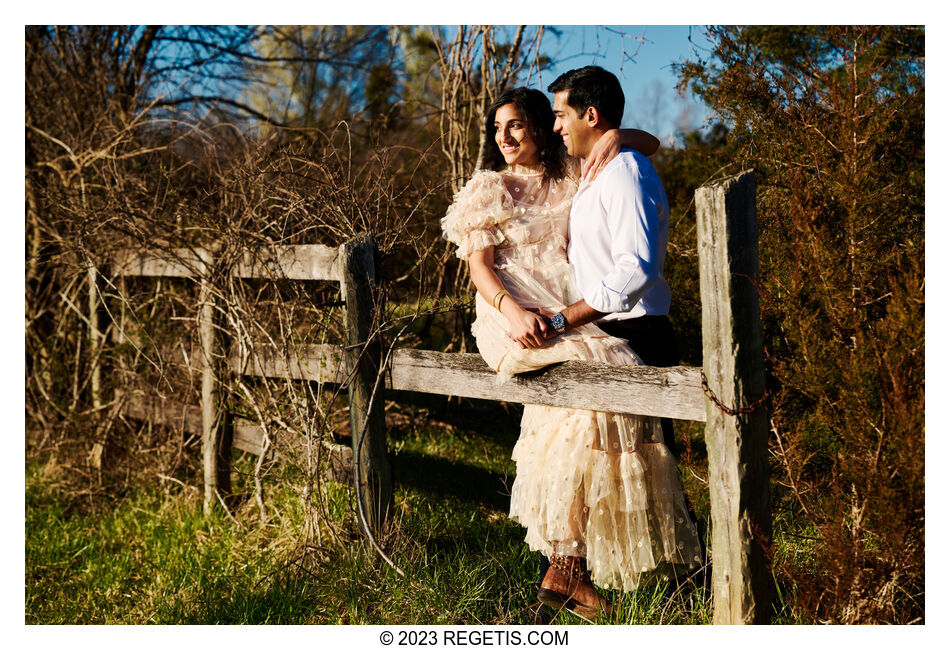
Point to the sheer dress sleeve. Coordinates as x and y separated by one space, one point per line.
471 222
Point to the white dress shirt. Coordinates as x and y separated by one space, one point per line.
619 227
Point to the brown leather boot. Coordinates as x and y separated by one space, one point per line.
567 585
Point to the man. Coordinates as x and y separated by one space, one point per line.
619 226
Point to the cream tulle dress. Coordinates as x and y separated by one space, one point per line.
591 484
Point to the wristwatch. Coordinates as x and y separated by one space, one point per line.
559 323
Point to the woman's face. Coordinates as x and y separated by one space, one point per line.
513 138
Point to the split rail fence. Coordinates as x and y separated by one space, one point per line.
727 394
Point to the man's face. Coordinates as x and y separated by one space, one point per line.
572 128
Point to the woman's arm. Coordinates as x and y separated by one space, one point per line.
525 327
608 146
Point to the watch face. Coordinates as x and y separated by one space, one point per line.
558 322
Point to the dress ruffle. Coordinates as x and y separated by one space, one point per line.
622 510
476 209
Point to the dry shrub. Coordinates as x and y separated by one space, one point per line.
109 172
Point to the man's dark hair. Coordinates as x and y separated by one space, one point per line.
592 86
535 108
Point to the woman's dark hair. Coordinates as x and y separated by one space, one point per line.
536 110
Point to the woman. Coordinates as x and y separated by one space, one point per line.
596 491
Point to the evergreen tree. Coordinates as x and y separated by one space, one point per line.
832 120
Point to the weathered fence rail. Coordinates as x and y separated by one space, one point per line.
247 435
300 262
731 404
663 392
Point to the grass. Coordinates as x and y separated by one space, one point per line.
150 556
145 558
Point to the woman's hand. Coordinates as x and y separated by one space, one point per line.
603 151
608 146
525 327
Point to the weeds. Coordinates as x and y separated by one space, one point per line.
150 556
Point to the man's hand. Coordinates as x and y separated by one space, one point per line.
608 147
546 314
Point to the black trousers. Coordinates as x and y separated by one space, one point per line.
654 341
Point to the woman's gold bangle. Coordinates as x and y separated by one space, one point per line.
496 302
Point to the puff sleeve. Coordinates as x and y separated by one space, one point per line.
471 222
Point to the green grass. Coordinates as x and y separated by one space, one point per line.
145 558
150 556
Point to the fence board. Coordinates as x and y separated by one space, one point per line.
182 263
321 363
163 412
302 262
663 392
248 436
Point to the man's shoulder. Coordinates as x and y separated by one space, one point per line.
628 167
634 162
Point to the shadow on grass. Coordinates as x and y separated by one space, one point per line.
286 601
446 478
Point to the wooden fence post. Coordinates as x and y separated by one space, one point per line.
119 337
215 443
93 304
736 426
372 474
95 334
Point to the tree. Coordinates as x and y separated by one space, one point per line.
326 73
140 138
832 120
475 66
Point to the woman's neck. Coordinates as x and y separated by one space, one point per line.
526 170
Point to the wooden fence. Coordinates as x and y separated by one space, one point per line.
727 394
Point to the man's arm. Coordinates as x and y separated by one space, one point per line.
580 313
633 230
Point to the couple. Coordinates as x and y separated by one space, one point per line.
599 493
